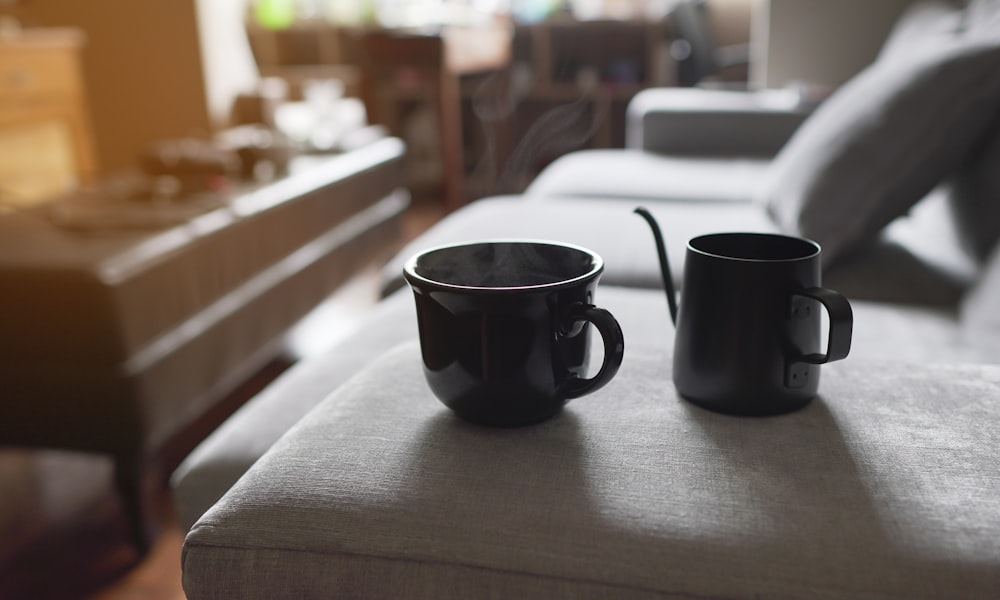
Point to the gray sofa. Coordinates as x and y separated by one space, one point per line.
345 476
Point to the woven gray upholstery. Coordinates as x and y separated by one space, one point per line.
884 486
882 331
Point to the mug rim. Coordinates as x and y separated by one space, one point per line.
411 275
816 248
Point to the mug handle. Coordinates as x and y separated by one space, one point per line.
841 324
614 348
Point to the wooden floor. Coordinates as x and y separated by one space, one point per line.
90 558
88 555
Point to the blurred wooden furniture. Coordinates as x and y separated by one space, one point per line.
418 84
45 136
126 320
307 50
413 76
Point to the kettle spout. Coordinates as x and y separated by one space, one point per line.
661 248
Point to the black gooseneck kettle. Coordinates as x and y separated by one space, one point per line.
748 321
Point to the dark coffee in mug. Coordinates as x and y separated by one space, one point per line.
504 327
749 323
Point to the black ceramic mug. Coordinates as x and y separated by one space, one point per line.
749 323
503 327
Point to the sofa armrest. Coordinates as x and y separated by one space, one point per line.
708 122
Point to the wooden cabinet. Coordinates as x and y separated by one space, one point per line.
45 137
415 83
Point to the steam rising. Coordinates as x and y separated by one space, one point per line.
504 264
559 130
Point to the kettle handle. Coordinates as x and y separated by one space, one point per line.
661 249
841 324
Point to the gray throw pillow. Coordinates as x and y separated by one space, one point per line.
921 23
982 17
980 306
882 141
975 198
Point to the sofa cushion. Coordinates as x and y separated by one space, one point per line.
921 21
982 17
716 123
917 259
884 140
212 467
975 188
222 458
881 331
881 487
975 198
637 176
980 309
